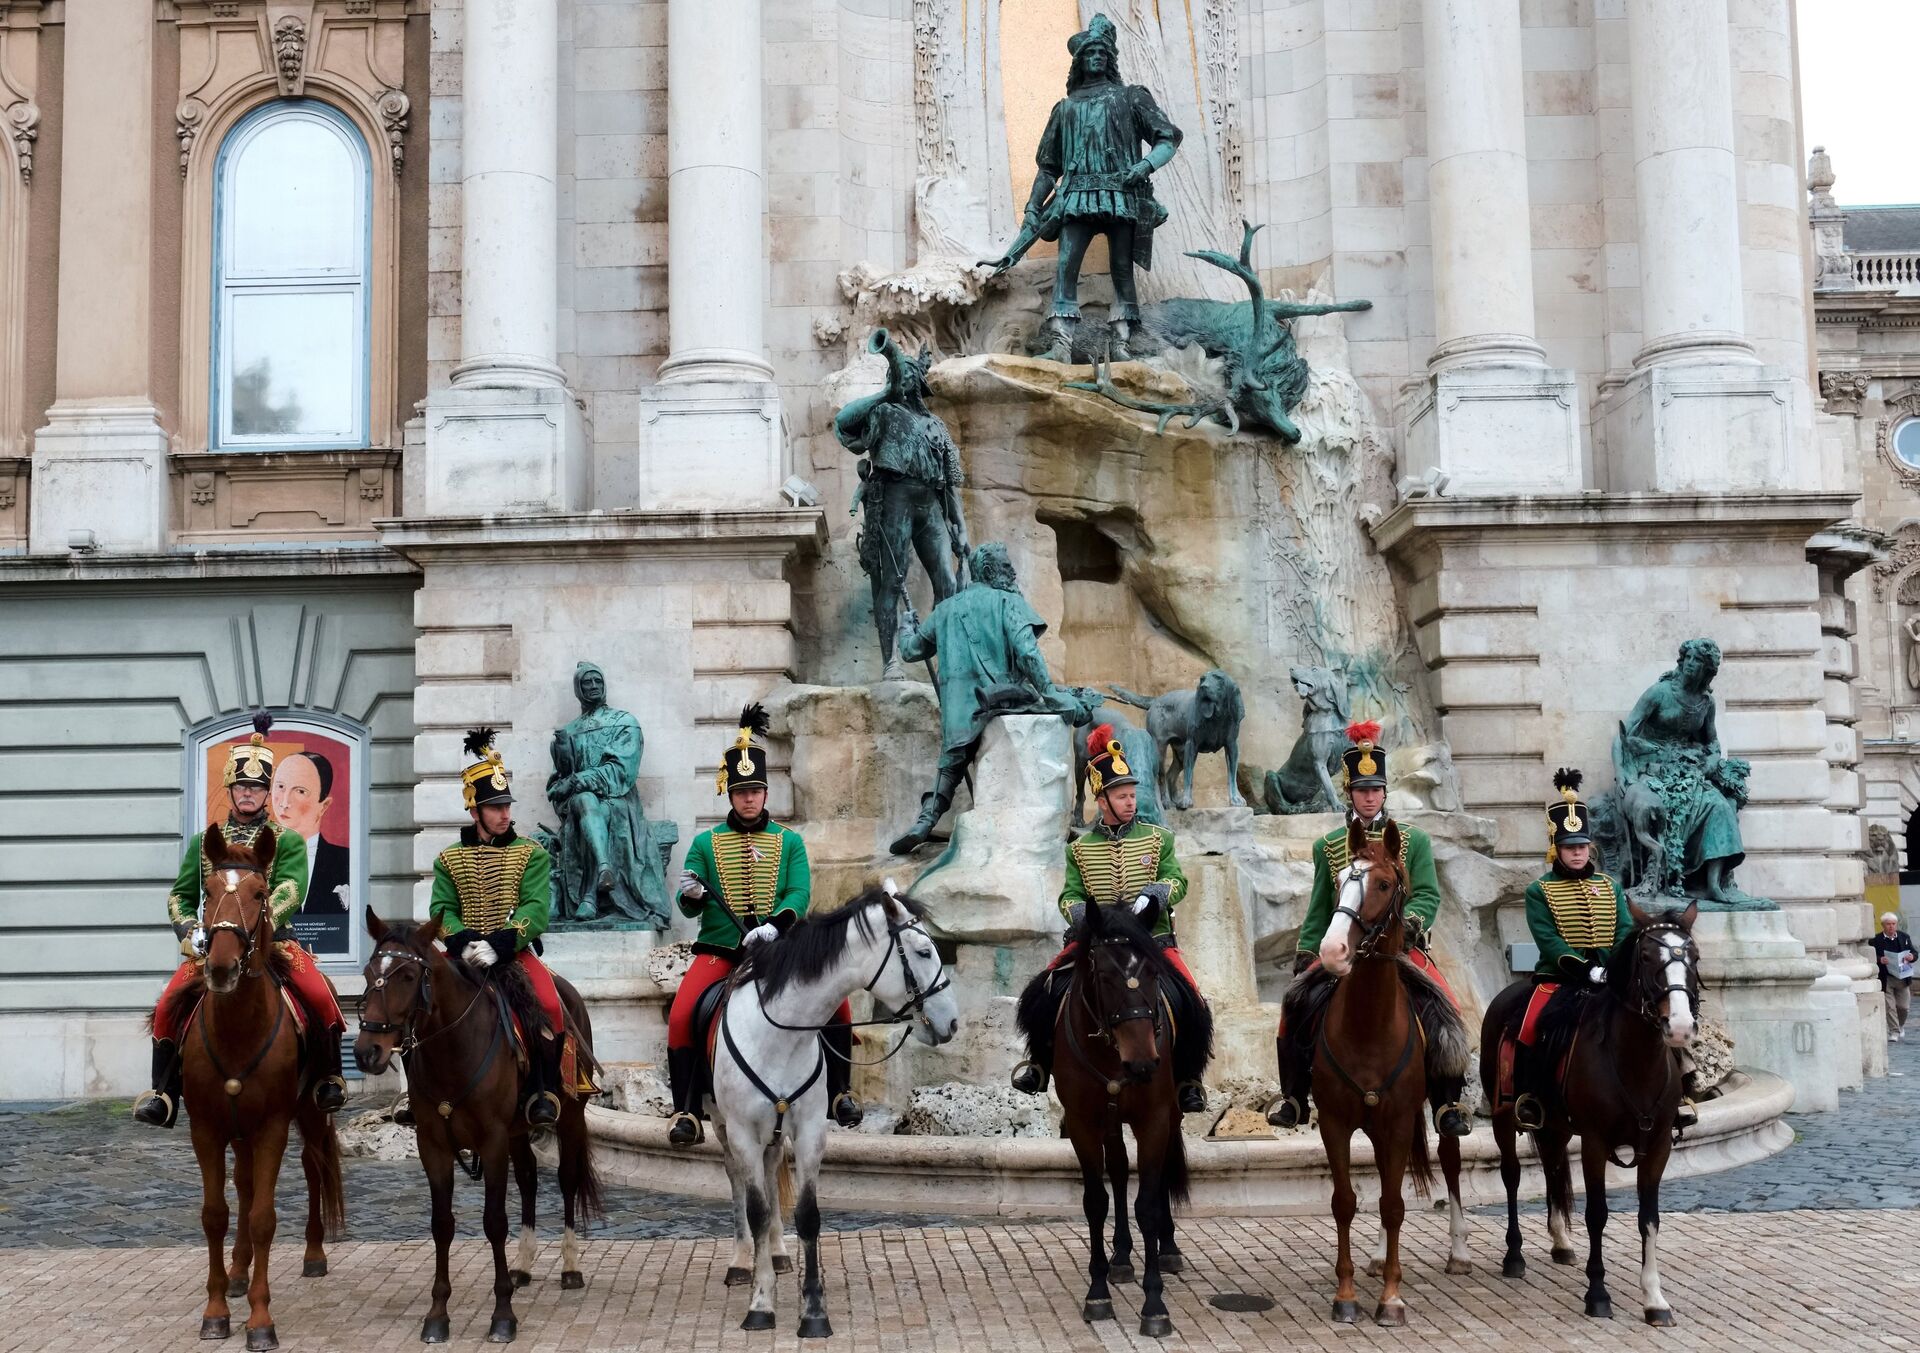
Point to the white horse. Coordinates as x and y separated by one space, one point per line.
769 1068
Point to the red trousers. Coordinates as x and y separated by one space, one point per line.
706 970
1170 954
544 991
1417 957
305 977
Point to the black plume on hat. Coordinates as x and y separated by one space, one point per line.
755 719
1565 778
478 740
262 721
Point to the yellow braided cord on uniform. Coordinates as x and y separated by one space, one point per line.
1584 911
748 883
1116 870
487 879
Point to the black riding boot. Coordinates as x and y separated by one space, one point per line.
1449 1114
160 1106
329 1085
1296 1085
681 1070
1529 1091
543 1082
843 1106
1193 1097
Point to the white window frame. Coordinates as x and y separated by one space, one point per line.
1893 441
358 283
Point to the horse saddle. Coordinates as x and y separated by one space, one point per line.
706 1034
1527 1035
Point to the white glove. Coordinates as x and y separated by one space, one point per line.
760 934
198 939
479 954
1597 975
1141 903
691 887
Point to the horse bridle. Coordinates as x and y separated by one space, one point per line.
1370 935
1649 996
917 998
246 933
422 1000
1128 1013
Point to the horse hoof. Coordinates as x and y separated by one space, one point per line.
262 1339
1662 1318
520 1277
1346 1312
236 1287
1567 1256
739 1277
783 1263
217 1327
815 1327
1600 1309
1375 1267
757 1320
1457 1266
1156 1326
1172 1263
1391 1314
1096 1310
502 1330
314 1268
435 1330
572 1280
1121 1273
1513 1266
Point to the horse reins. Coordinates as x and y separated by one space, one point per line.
411 1041
234 1084
1108 1023
1370 937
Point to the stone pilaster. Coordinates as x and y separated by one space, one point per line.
1493 416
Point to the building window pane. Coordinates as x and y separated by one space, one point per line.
1906 442
292 222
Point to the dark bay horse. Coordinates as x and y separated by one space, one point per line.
1114 1068
240 1072
1369 1068
450 1028
1619 1091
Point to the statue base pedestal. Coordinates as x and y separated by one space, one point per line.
609 968
1785 1014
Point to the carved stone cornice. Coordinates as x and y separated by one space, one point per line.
1844 391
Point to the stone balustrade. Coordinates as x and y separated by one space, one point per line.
1887 272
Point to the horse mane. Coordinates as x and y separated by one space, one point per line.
816 942
1119 921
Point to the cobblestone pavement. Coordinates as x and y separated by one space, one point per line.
1808 1280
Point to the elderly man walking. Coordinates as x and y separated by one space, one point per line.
1893 947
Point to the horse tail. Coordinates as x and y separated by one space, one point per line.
318 1137
588 1201
785 1179
1173 1169
1420 1162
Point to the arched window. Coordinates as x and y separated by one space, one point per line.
292 232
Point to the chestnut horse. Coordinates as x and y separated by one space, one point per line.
1619 1090
240 1070
450 1027
1369 1069
1114 1068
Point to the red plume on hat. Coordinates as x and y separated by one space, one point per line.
1366 731
1099 738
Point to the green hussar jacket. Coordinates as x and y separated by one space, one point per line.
1330 856
1575 917
286 880
757 876
507 885
1105 870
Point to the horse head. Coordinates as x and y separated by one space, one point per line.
399 990
239 922
1121 969
1657 972
1372 893
916 983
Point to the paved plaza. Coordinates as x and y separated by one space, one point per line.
1812 1248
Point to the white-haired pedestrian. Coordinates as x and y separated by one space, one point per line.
1894 949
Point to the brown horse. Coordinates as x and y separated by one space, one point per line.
1115 1030
241 1082
1619 1090
450 1028
1369 1068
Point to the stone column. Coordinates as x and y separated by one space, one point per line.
508 434
710 432
100 463
1493 416
1699 411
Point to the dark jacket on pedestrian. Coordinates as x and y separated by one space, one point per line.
1890 948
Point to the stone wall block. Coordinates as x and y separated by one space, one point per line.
1787 878
761 647
1745 732
1463 685
1777 829
463 704
741 603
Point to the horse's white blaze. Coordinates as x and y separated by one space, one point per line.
1650 1270
524 1259
569 1251
1559 1229
1335 946
1679 1008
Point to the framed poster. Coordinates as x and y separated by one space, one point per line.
320 793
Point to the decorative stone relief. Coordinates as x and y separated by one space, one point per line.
1844 391
394 107
1902 558
1899 408
188 118
1221 43
23 125
290 52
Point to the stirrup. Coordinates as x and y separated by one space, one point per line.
1529 1114
685 1130
403 1111
1286 1112
846 1110
1030 1078
155 1107
1452 1120
330 1093
549 1102
1687 1115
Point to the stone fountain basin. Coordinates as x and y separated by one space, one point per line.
1026 1177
